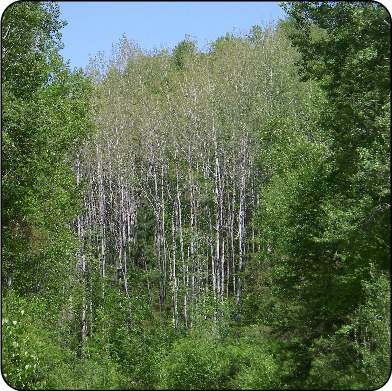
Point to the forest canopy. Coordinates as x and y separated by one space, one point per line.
198 219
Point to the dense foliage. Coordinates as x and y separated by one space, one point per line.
198 220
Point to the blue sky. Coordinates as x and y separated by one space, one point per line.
95 26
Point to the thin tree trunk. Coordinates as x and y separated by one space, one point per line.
173 271
241 228
184 281
82 267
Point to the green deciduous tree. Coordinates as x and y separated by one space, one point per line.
44 116
330 226
45 120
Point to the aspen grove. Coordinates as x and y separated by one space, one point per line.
199 218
